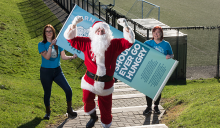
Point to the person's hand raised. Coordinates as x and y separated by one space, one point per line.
76 20
123 22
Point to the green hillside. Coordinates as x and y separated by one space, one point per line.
194 105
21 92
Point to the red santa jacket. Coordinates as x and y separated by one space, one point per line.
116 47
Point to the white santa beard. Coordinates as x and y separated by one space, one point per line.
99 44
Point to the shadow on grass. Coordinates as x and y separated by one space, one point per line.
32 124
176 82
36 15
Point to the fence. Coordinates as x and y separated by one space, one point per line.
143 9
196 48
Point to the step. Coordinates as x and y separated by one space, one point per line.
122 109
127 96
148 126
120 85
124 90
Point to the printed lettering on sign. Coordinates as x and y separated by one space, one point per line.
129 61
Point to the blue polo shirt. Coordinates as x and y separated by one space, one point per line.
163 47
54 60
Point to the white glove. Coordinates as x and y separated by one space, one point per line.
122 22
77 20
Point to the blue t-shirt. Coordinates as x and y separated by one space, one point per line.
54 60
163 47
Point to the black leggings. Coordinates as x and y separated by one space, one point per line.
47 76
149 101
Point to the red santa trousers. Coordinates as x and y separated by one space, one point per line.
104 102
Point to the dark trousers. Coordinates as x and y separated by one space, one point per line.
47 76
149 101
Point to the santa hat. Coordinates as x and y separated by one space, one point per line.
100 24
95 23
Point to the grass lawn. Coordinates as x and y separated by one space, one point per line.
22 102
176 12
194 105
21 92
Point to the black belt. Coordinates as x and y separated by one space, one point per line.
104 78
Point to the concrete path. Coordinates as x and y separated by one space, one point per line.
127 106
127 109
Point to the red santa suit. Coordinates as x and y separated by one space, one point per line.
99 66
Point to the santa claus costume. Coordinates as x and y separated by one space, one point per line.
100 52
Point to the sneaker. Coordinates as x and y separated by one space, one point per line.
47 116
147 111
156 110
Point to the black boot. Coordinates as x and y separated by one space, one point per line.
92 120
70 110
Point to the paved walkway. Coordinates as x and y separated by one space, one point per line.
127 106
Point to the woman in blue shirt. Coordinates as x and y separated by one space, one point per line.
164 47
51 71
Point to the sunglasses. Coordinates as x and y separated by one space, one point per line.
49 31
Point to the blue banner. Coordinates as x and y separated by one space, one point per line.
82 29
144 69
140 66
